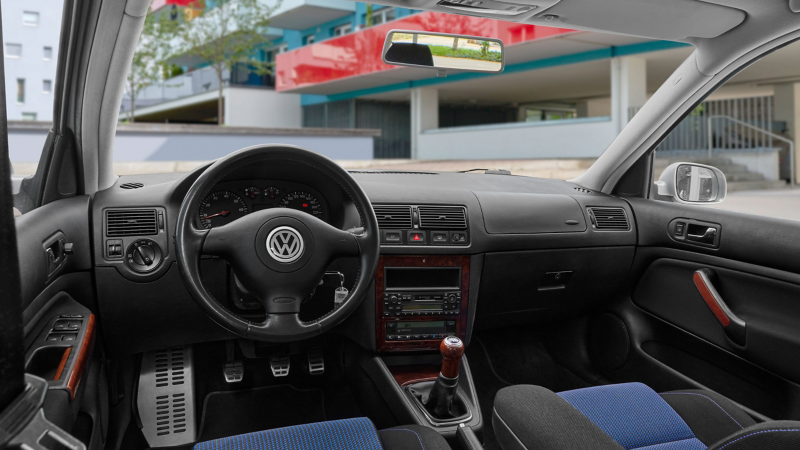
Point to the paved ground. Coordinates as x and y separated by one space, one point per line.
779 203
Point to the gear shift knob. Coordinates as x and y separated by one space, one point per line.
452 349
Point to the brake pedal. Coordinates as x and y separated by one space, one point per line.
279 365
316 362
165 397
234 371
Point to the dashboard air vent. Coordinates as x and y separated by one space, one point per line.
131 222
609 218
443 217
390 217
131 186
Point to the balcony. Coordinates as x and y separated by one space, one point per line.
304 14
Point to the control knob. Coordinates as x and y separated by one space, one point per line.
143 255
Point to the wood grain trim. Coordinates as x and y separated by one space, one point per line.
419 261
63 363
81 358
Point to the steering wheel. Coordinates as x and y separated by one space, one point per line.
278 254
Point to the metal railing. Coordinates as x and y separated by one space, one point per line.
746 129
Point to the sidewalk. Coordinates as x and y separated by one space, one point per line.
777 203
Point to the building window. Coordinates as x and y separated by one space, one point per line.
47 86
383 15
14 50
29 116
283 48
47 53
20 90
309 39
341 30
30 19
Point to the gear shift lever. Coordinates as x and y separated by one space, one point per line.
439 401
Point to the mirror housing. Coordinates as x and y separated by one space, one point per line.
693 184
443 51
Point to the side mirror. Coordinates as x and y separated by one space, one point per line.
443 51
693 184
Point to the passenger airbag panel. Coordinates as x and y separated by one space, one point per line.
519 213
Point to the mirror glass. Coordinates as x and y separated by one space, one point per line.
444 51
696 184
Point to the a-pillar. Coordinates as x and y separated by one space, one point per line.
787 109
424 115
628 88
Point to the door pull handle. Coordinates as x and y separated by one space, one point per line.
733 325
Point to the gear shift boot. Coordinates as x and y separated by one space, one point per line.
447 406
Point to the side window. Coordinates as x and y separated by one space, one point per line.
31 35
747 129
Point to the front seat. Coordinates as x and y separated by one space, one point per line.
631 416
347 434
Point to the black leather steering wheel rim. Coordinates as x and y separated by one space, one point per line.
322 240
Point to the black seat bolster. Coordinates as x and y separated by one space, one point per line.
410 437
711 416
531 417
776 435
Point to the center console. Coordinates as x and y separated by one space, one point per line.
420 301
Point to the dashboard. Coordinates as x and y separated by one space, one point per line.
231 200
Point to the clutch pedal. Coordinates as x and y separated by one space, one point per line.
165 397
279 365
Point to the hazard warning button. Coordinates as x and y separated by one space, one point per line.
416 237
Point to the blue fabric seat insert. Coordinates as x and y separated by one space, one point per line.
347 434
635 416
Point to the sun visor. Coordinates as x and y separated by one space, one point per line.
674 20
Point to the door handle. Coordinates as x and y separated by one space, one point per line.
734 326
707 237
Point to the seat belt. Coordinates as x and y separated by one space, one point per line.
22 420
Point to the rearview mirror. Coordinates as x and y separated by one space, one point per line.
693 183
443 51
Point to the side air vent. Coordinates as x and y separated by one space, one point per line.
131 186
609 218
391 217
131 222
442 217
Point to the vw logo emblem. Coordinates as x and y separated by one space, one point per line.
285 245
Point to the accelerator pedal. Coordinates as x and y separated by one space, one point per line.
165 397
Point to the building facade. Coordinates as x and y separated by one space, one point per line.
30 47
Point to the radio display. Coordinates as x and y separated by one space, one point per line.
434 327
423 307
422 277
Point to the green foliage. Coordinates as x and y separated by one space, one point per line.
152 50
368 16
443 50
227 36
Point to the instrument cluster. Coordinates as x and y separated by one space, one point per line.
232 200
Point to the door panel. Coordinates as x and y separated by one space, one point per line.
59 310
755 270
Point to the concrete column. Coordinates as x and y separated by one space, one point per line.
424 114
628 88
787 109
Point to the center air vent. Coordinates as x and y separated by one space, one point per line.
393 217
131 222
609 218
442 217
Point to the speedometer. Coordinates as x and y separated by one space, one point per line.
221 208
303 201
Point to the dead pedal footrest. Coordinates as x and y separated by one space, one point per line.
165 397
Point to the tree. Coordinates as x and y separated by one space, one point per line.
148 60
227 36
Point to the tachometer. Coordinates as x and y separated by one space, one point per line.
303 201
221 208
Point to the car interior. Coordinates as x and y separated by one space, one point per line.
273 300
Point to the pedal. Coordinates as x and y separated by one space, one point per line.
234 371
316 363
279 365
165 397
